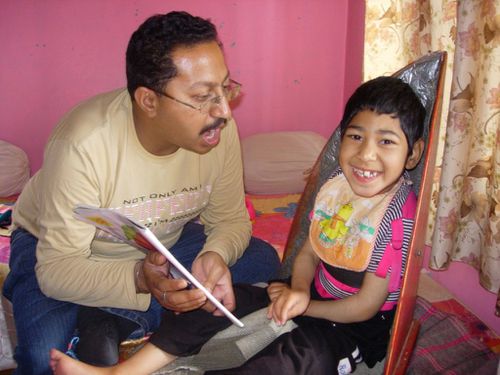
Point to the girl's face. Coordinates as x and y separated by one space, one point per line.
374 153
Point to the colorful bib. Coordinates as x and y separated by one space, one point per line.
344 225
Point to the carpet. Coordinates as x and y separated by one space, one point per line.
451 341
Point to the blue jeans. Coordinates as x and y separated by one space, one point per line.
43 323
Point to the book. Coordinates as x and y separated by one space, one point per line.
137 235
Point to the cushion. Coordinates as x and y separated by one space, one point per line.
14 169
279 162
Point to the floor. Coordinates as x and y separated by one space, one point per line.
431 290
428 289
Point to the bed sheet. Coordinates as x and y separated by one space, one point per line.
274 215
6 319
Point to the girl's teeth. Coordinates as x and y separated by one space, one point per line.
366 174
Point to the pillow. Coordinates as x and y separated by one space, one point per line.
14 169
279 162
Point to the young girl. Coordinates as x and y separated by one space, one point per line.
345 280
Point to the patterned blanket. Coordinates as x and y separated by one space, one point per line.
5 205
451 340
273 218
6 319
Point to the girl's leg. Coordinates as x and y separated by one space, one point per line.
100 334
314 347
183 334
146 361
41 323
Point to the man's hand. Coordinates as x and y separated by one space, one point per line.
170 293
211 270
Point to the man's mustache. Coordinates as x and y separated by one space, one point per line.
216 124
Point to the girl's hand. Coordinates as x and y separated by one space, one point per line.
289 304
275 289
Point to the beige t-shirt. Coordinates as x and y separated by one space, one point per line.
94 157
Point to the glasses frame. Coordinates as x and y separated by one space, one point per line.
233 94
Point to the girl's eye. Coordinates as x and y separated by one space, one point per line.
387 142
354 137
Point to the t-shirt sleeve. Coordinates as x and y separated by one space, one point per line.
65 268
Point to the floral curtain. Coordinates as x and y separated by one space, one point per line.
464 224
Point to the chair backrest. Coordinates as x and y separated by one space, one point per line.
426 77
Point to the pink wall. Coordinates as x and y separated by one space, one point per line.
290 55
298 60
354 54
463 282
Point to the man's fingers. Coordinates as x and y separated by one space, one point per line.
228 299
156 258
209 307
170 285
182 301
213 278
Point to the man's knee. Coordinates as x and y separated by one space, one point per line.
266 255
33 357
260 262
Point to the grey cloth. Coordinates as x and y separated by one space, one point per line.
231 347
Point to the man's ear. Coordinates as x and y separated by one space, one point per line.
416 154
147 100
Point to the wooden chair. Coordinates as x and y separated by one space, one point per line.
426 77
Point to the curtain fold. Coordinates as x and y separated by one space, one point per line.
464 220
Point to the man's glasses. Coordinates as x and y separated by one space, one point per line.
229 91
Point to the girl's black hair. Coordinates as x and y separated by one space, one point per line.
391 96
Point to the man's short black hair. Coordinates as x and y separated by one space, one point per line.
149 52
391 96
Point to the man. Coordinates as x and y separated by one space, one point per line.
163 153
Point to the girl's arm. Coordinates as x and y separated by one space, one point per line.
304 267
288 302
357 308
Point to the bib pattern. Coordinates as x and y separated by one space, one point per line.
344 226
